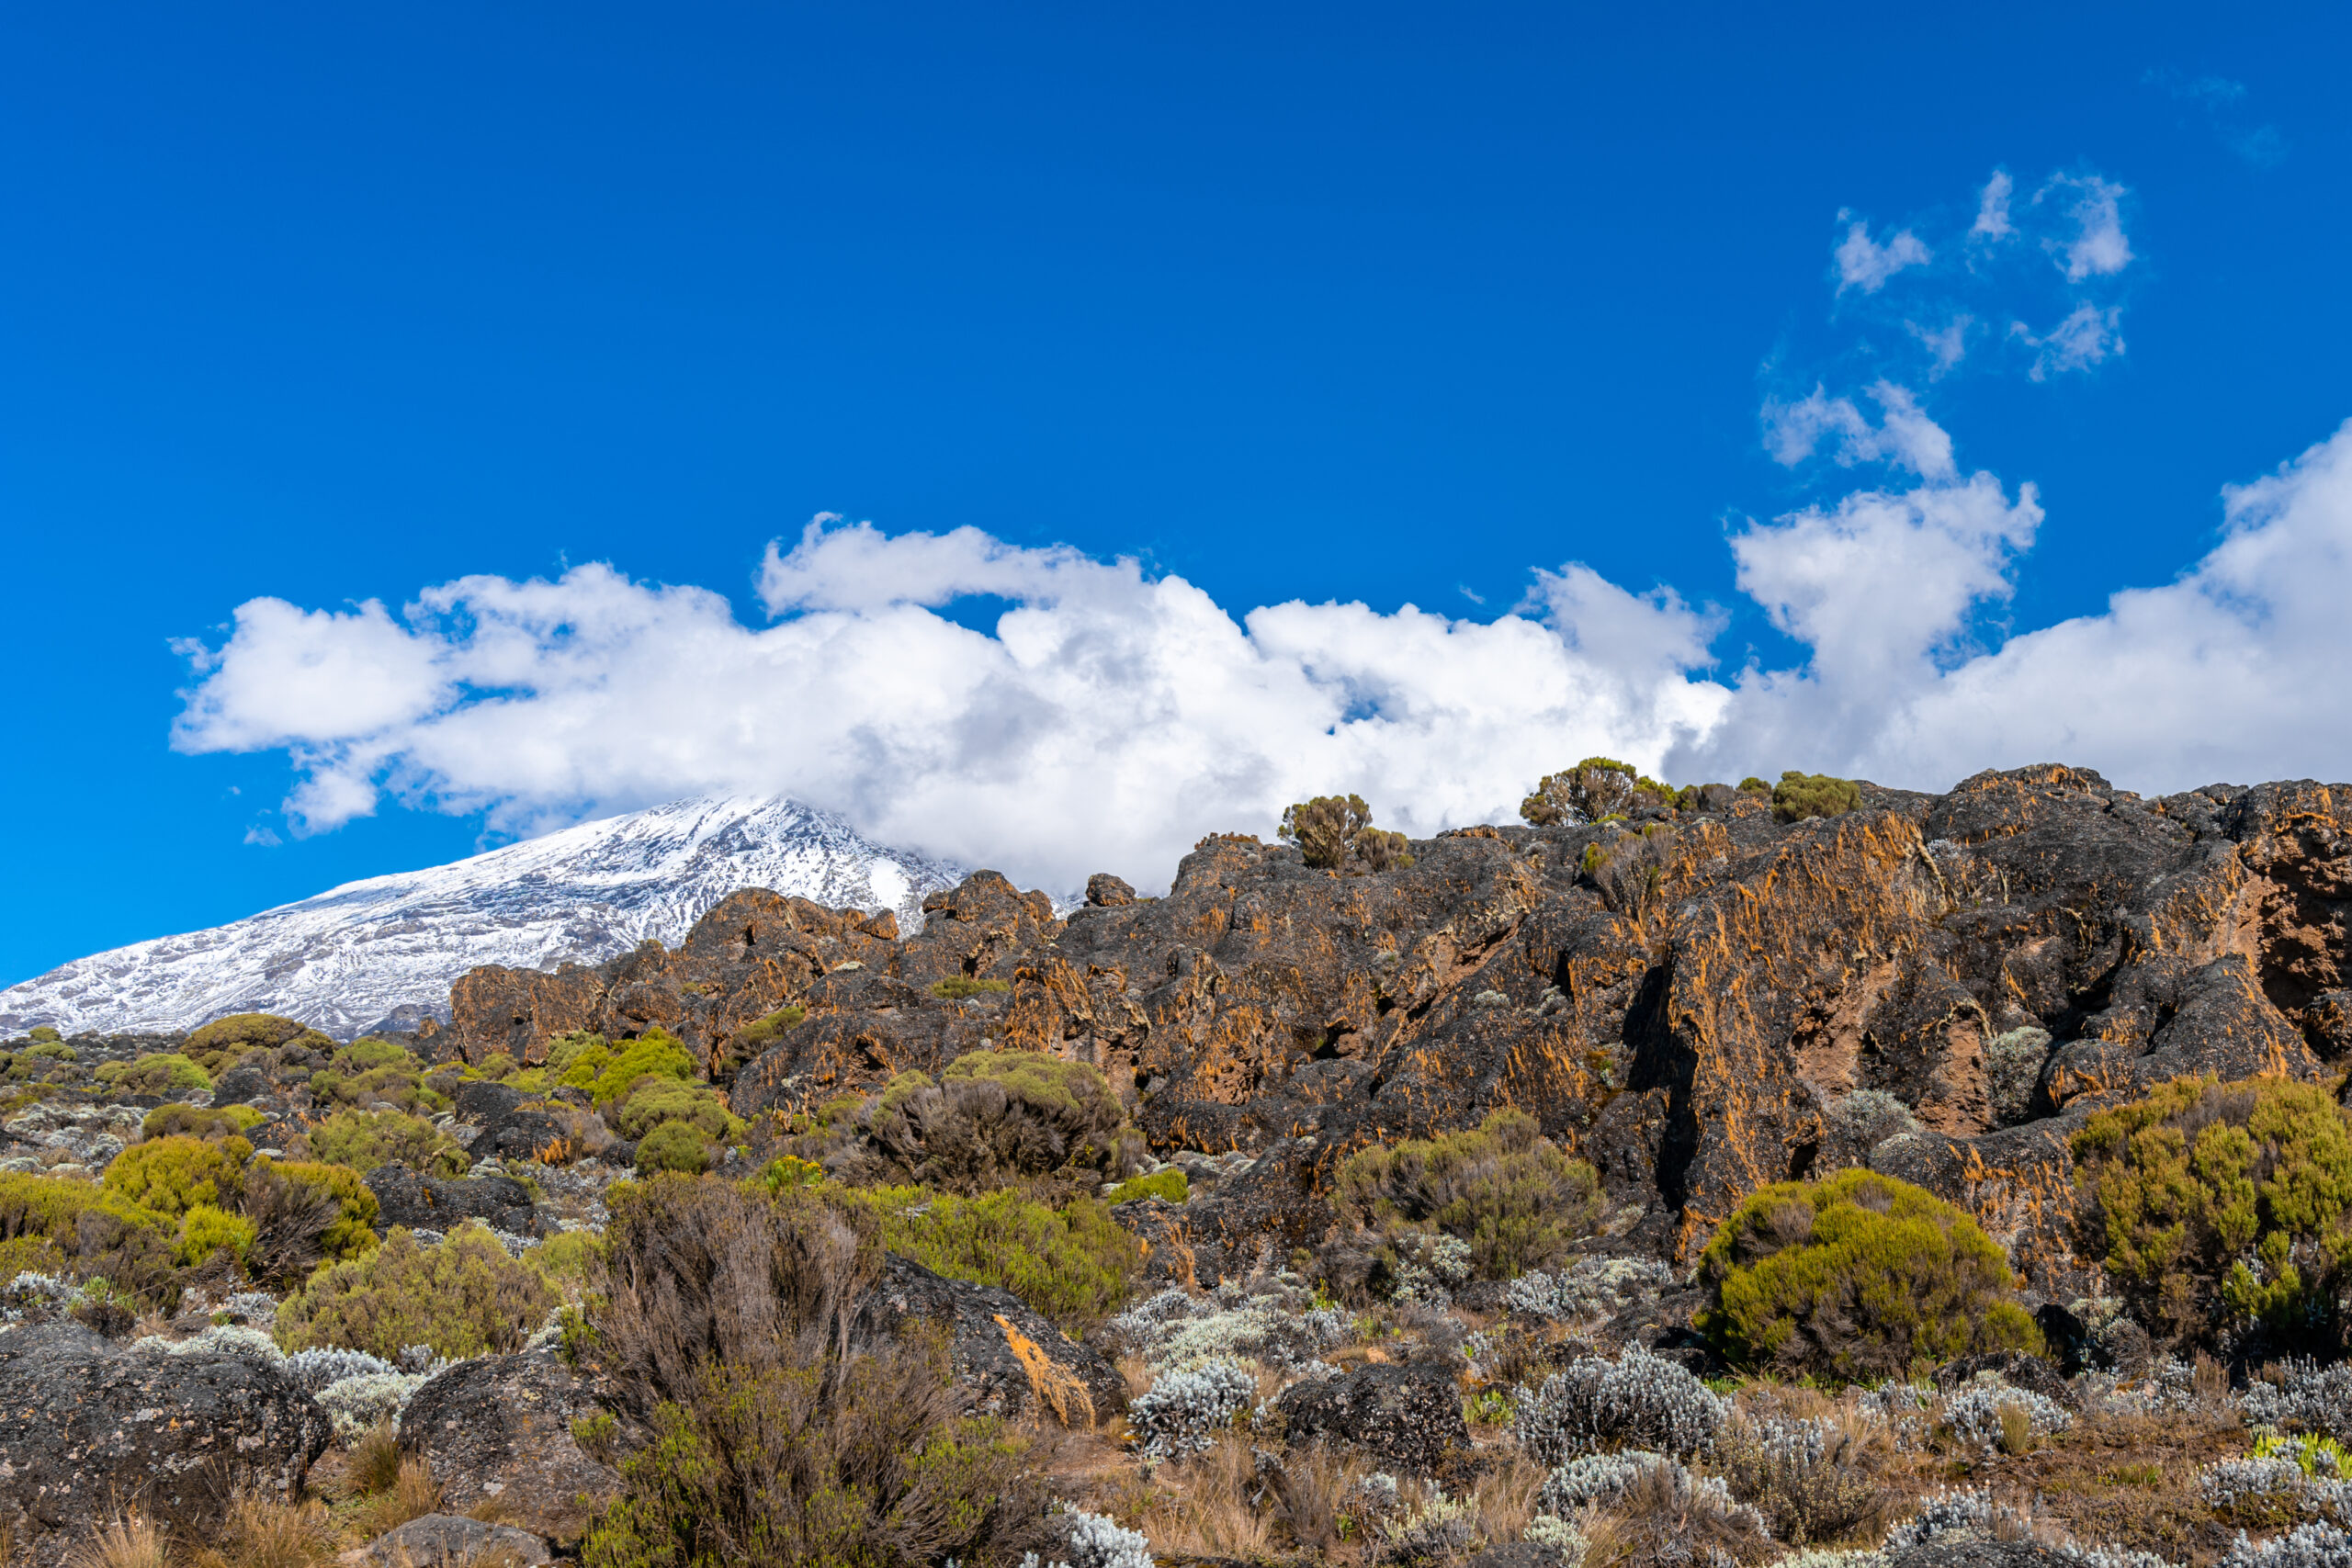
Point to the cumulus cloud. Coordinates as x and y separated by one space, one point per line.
1903 435
2086 336
1993 209
1865 264
2095 245
1111 718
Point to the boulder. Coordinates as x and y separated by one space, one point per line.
405 1197
1008 1359
520 1134
1409 1413
500 1427
88 1426
241 1085
483 1101
452 1541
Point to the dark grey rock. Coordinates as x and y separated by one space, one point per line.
239 1085
1008 1358
452 1541
1409 1413
483 1101
88 1426
500 1427
440 1204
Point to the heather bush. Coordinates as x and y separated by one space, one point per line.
1800 795
159 1073
674 1146
1334 832
1594 789
463 1296
956 987
1073 1265
767 1031
205 1230
657 1054
1857 1277
659 1100
729 1320
1502 1188
366 1139
2223 1207
79 1229
994 1119
1638 1401
172 1174
1810 1480
183 1120
1169 1185
369 1071
243 1032
305 1213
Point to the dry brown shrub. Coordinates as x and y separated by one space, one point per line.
130 1540
1216 1508
1311 1490
265 1532
413 1494
1505 1495
1655 1525
375 1463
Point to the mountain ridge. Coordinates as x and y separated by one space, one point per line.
387 948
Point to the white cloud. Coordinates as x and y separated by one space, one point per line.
2096 247
1903 435
1111 718
1948 343
1864 263
2086 337
1993 209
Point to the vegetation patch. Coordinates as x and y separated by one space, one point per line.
1334 832
463 1296
1800 795
366 1139
1503 1191
1593 791
1074 1264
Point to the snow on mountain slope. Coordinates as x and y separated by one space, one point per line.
350 956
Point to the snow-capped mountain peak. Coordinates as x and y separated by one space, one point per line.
350 956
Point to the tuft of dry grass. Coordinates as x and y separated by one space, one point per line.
130 1540
1311 1493
1137 1374
413 1494
1505 1495
263 1532
1214 1511
375 1463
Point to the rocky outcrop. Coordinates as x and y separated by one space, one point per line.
452 1541
89 1426
1008 1359
404 1197
1698 1002
1409 1414
501 1428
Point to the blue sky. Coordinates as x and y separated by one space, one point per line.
1329 305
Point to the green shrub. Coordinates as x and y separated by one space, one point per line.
1074 1265
1594 789
496 1067
366 1139
1501 1186
366 1053
463 1296
656 1101
157 1073
205 1230
56 1226
1751 784
789 1435
2223 1206
305 1213
51 1051
200 1122
674 1146
1799 795
993 1118
1334 832
248 1031
43 1034
655 1053
956 987
369 1070
171 1176
1857 1277
567 1259
1170 1185
774 1027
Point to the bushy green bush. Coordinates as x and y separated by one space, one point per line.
674 1146
993 1118
51 1051
659 1100
1595 789
1073 1265
1334 832
369 1070
55 1226
249 1030
157 1073
2222 1206
463 1296
567 1259
495 1068
609 1071
1501 1186
205 1230
788 1434
773 1028
172 1174
198 1122
366 1139
956 987
1170 1185
305 1213
1857 1277
1799 795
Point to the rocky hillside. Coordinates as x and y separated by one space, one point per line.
383 951
1697 1001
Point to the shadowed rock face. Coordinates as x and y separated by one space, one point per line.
1939 987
